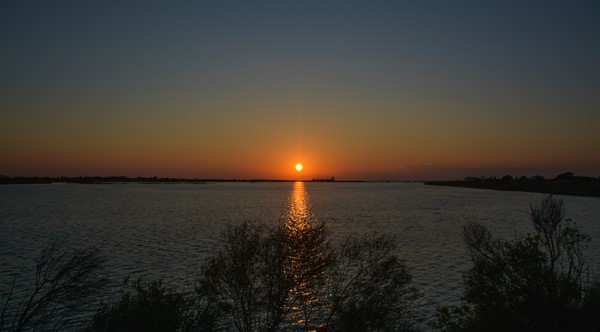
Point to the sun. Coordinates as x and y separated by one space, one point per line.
299 167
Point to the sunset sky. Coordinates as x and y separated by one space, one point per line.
353 89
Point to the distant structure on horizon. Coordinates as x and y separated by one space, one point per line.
331 179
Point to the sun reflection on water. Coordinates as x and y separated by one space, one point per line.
306 250
298 214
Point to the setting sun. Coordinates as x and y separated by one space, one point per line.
298 167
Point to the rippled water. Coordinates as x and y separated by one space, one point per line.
166 230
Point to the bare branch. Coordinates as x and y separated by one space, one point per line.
63 277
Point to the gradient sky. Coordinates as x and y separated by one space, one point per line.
352 89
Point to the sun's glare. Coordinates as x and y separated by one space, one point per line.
298 167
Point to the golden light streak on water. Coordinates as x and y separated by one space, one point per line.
307 261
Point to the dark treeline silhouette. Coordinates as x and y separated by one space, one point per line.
125 179
563 184
115 179
289 277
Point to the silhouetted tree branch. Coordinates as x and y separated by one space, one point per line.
63 277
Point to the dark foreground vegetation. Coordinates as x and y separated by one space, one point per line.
538 282
274 279
563 184
291 278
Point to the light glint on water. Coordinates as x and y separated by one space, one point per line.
306 264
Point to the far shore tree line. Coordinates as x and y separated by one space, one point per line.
563 177
290 277
563 184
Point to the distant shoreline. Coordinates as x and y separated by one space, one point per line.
564 184
147 180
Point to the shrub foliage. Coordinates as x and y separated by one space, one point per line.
290 278
533 283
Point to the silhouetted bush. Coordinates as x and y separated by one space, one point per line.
290 278
249 279
370 287
143 307
533 283
64 278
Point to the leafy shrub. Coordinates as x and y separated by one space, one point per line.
291 278
532 283
143 306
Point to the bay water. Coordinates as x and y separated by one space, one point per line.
168 230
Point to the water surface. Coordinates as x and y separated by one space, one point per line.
167 230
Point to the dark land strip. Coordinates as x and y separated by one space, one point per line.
564 184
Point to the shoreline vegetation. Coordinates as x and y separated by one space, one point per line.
563 184
125 179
